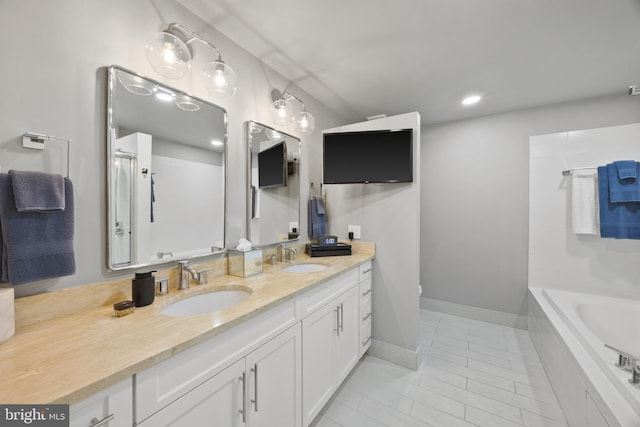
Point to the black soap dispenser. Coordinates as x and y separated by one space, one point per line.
143 289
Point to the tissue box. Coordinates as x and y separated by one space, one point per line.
244 263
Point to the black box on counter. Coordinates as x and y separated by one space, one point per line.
315 250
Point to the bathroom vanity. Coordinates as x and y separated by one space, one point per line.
273 359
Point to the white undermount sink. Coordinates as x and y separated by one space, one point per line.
206 303
304 268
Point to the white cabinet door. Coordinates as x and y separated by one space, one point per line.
319 330
113 406
274 381
347 338
216 402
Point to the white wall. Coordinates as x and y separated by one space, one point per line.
558 258
54 82
389 215
475 177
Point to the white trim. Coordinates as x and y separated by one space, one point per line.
394 354
475 313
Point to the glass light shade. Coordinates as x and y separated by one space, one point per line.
135 84
221 79
281 112
187 103
168 55
273 134
304 122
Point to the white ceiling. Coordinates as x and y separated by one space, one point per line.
368 57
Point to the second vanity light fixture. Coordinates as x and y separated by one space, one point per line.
170 52
283 113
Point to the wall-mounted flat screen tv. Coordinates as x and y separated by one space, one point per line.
272 166
368 157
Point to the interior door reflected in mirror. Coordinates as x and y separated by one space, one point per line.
273 193
167 170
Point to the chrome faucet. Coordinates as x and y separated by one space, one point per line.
290 254
285 253
185 274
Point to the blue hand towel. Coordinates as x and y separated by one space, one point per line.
317 220
618 220
626 169
36 245
622 190
320 206
37 191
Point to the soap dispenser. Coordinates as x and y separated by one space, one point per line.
143 289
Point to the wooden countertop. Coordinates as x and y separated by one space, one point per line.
66 359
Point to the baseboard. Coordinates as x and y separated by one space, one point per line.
475 313
394 354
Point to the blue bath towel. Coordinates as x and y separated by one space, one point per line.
35 245
37 191
622 190
317 217
618 220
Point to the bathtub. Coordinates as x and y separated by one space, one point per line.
569 331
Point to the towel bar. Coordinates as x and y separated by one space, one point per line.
569 172
36 141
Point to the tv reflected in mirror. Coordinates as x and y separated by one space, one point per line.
272 166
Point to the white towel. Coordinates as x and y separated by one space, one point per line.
585 212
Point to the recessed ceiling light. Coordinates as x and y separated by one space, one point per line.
216 143
470 100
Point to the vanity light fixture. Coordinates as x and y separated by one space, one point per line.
283 114
472 99
170 52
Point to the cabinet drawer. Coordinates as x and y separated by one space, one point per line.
365 288
324 293
114 405
365 270
164 383
365 336
365 309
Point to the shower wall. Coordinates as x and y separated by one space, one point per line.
558 258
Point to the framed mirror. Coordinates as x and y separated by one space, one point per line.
166 173
273 192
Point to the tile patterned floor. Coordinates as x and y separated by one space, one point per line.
472 374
